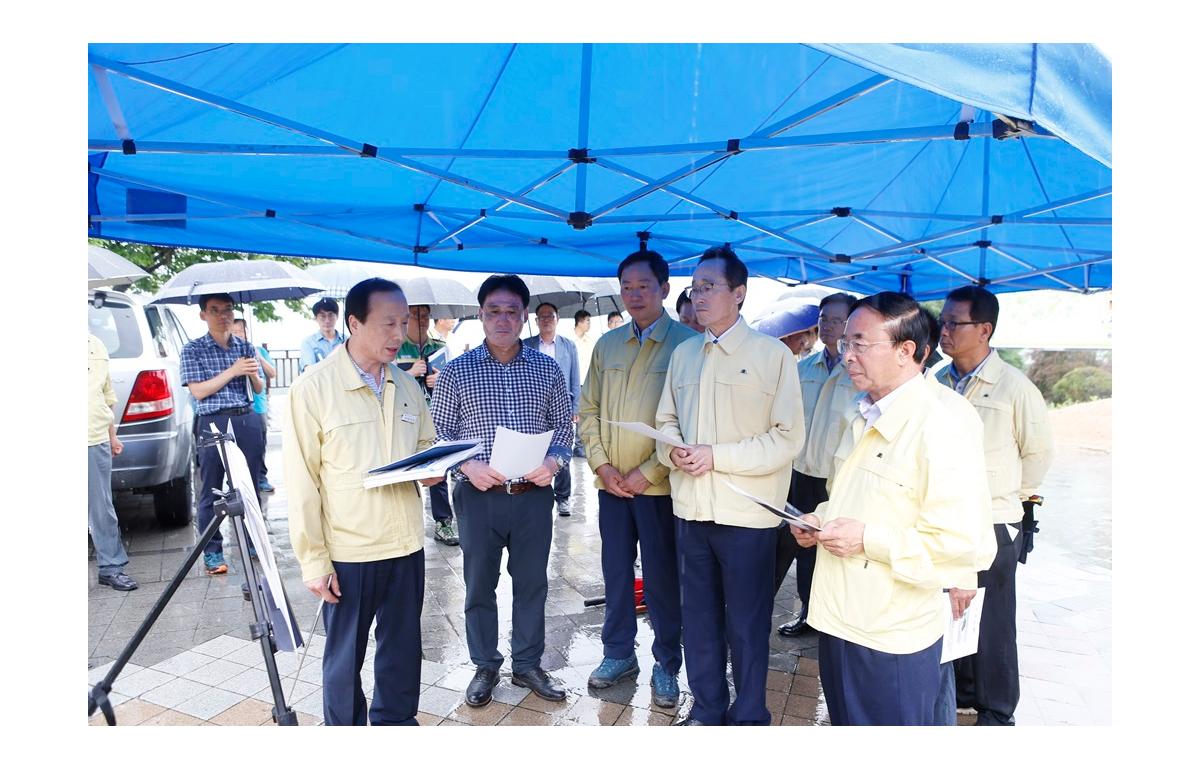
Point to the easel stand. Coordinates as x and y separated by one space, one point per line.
228 504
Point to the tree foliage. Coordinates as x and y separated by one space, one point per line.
1013 357
1048 367
164 262
1082 385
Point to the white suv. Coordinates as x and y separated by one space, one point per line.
153 409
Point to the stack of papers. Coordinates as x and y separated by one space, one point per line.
434 461
789 513
961 638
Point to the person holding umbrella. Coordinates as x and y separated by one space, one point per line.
221 372
419 344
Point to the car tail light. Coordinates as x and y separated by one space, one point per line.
151 397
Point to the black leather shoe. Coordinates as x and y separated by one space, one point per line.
119 582
479 692
795 628
690 721
540 683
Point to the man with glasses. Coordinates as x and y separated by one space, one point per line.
732 395
563 350
317 347
1018 445
827 392
625 384
361 549
901 521
222 373
504 383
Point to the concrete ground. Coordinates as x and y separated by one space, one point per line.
198 665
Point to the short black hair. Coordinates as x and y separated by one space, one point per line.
327 305
902 317
935 331
582 315
510 283
217 296
615 314
545 304
836 298
984 306
358 298
652 259
241 320
683 298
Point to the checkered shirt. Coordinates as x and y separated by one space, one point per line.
202 359
475 394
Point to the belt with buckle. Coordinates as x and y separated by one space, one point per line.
514 489
242 411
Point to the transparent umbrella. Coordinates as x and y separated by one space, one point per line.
245 280
106 268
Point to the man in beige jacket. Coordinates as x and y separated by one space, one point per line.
733 396
1018 448
361 550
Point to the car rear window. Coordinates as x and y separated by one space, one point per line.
115 325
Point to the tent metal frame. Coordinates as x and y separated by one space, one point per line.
768 138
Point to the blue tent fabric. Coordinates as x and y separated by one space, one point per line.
862 168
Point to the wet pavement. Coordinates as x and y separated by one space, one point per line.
199 666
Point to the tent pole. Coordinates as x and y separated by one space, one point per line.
585 100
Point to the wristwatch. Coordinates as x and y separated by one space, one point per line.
559 462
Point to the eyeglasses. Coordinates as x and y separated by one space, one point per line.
703 289
953 325
831 321
226 312
857 346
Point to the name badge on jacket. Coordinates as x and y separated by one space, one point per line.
408 418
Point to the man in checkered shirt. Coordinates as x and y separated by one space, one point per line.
503 383
222 373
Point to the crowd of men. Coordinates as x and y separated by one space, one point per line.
916 488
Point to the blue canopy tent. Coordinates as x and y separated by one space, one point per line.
862 167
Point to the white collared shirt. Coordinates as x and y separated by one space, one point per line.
546 348
711 339
871 411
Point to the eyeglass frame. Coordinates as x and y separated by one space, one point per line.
703 289
845 346
954 325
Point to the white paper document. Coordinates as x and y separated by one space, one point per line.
434 461
645 430
961 637
516 454
789 513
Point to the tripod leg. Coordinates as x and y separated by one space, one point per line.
261 628
99 694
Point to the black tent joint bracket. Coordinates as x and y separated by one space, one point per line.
1005 127
982 281
997 219
418 249
841 212
461 247
543 241
962 131
419 207
983 243
128 147
579 156
732 216
734 146
840 258
580 219
643 238
369 150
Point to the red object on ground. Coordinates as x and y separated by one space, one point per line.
639 596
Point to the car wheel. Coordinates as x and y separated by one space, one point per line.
173 501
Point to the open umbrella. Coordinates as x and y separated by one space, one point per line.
606 297
787 318
106 268
244 279
559 291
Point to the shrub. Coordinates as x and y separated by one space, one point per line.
1047 367
1082 385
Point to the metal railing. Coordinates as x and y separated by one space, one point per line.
287 367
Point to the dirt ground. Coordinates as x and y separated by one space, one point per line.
1085 425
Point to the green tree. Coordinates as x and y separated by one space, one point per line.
164 262
1082 385
1048 366
1013 357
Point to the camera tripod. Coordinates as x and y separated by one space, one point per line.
227 505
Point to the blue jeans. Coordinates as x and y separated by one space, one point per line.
102 518
247 429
